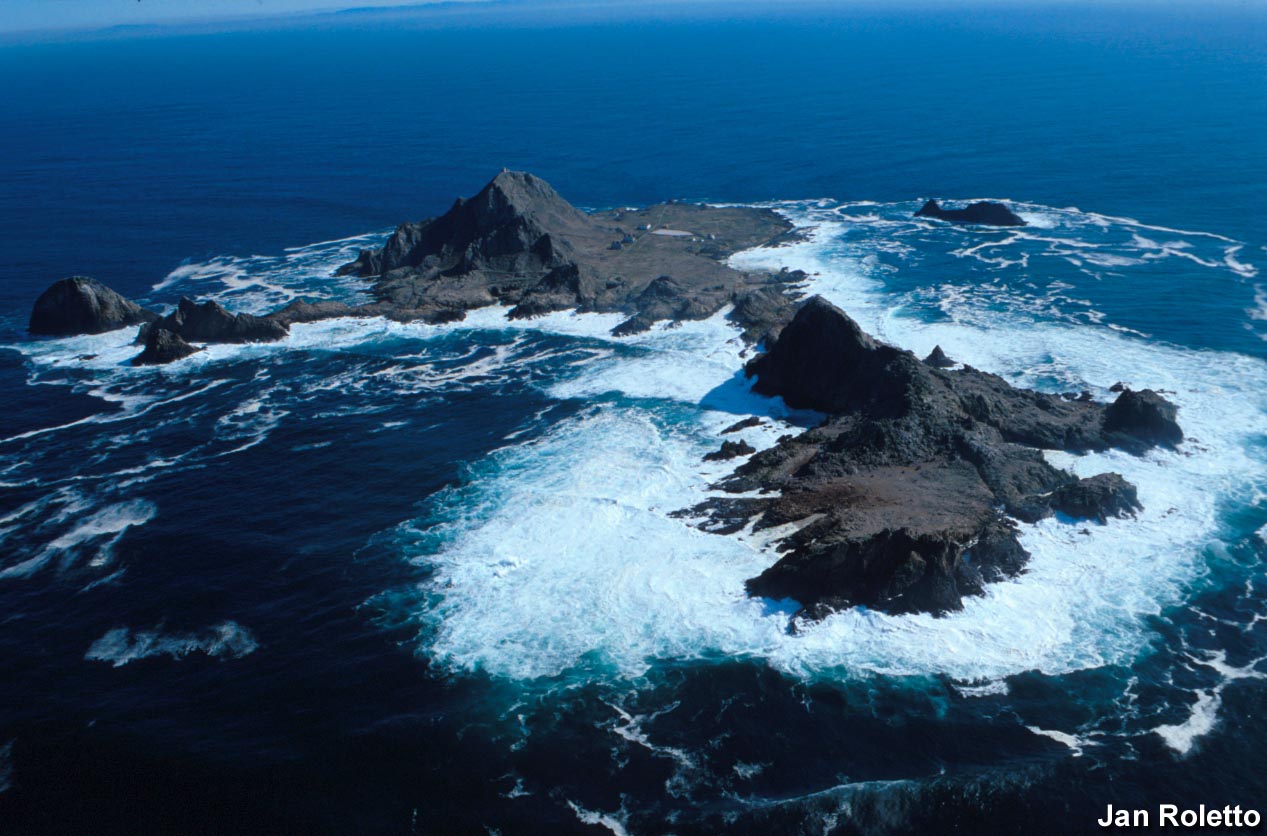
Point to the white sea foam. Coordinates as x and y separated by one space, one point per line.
1203 716
561 559
229 271
103 527
984 688
122 645
1074 742
615 822
258 283
1182 737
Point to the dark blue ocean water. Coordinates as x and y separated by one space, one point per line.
407 579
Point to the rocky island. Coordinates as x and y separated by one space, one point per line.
983 212
903 499
517 243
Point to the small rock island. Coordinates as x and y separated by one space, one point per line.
904 499
983 212
516 243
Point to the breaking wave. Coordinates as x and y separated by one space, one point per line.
554 559
559 557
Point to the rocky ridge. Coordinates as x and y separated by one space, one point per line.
904 497
519 243
516 243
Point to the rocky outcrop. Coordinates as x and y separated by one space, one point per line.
301 310
1144 417
823 360
938 359
209 322
900 499
745 424
519 243
730 450
1097 498
982 212
764 312
80 305
516 227
163 346
897 570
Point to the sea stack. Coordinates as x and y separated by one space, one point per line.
80 305
163 346
983 212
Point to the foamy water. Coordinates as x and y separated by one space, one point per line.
560 556
123 645
561 560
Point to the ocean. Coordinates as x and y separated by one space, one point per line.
405 578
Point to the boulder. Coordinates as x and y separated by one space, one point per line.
984 212
746 423
163 346
1097 498
1145 417
80 305
730 450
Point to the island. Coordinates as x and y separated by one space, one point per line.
982 212
904 499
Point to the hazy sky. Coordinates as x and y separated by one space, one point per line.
23 15
60 14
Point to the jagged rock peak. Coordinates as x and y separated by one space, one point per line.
209 322
824 360
938 359
521 193
163 346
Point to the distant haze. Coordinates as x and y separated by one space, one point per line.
18 15
32 15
